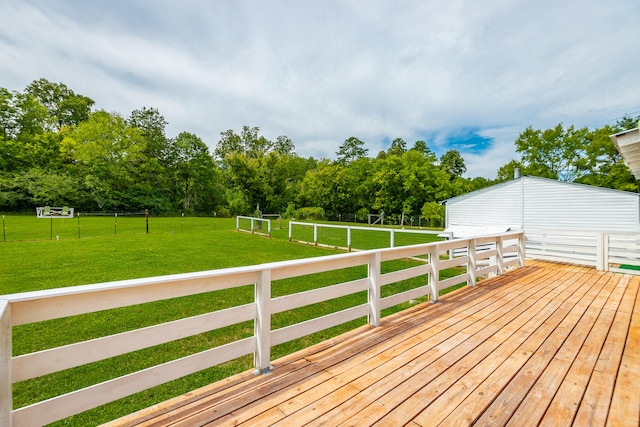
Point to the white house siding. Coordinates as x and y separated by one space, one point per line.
563 206
537 203
500 205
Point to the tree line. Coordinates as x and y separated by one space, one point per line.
58 150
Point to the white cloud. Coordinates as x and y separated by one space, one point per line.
322 71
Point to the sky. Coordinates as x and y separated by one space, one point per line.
458 74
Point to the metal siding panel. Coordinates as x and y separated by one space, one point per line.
547 204
500 205
556 205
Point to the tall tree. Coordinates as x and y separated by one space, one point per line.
421 147
108 155
350 150
397 147
152 125
553 153
452 163
195 174
66 107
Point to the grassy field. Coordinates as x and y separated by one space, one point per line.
173 245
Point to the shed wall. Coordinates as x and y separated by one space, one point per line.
538 203
500 205
577 207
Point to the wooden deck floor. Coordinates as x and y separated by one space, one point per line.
548 344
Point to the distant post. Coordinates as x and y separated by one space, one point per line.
146 217
4 230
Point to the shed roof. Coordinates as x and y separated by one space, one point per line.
628 144
546 180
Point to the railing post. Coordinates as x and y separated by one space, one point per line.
434 277
6 398
349 239
262 356
374 289
471 265
269 227
392 238
290 230
522 249
500 255
237 223
606 241
600 259
315 234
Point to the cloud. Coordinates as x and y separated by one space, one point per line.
322 71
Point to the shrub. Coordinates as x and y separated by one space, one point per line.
310 213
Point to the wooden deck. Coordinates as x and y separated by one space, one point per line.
548 344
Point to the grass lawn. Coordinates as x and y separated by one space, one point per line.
124 250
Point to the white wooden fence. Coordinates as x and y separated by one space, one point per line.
349 235
256 225
604 251
502 251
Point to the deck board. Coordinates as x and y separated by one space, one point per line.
553 344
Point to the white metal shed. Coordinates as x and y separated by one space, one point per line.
529 203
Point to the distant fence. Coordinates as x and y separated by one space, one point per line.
345 241
507 250
99 224
604 251
253 225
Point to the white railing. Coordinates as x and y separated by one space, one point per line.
497 253
348 230
604 251
255 225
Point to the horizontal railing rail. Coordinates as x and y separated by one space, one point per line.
604 251
496 254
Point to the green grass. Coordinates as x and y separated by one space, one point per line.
198 244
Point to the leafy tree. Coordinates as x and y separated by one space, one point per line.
602 164
284 145
553 153
64 106
254 144
350 150
397 147
32 118
251 143
452 163
404 183
627 122
8 115
571 154
230 142
108 155
195 174
421 147
152 125
507 172
434 213
326 187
